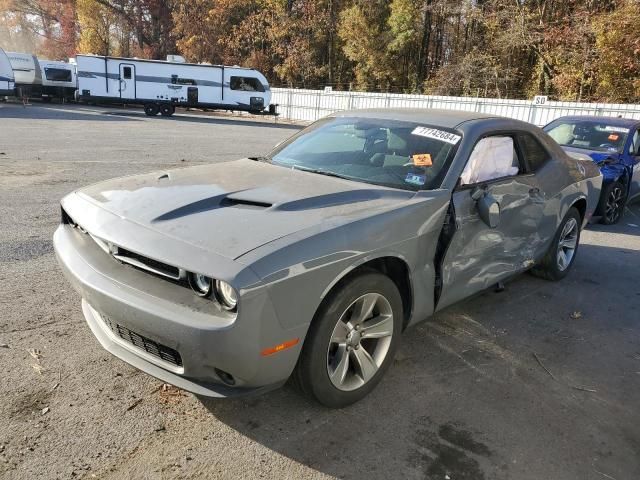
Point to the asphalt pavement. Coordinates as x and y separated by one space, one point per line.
539 381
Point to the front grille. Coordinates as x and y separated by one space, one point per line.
157 350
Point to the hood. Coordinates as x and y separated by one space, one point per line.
235 207
596 155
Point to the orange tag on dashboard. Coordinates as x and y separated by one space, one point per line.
422 160
613 137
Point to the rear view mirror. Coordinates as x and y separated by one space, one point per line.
489 210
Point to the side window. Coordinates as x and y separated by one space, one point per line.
57 74
246 84
492 158
635 144
534 154
126 72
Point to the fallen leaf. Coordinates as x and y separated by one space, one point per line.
576 315
35 353
45 410
38 368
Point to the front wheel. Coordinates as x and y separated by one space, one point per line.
351 341
612 202
562 253
151 109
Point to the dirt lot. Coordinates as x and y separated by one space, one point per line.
541 381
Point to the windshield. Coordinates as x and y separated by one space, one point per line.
588 134
391 153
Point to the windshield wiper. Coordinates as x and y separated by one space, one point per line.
264 159
320 172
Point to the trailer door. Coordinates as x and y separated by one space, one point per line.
127 80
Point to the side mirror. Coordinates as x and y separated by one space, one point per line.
488 207
489 211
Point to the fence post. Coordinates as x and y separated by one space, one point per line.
532 112
318 99
289 100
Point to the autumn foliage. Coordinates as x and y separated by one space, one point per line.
584 50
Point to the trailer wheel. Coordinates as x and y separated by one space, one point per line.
151 109
166 109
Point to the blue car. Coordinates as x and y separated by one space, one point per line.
614 145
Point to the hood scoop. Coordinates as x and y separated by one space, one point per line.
244 203
212 203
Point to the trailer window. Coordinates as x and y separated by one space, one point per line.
246 84
186 81
126 73
57 74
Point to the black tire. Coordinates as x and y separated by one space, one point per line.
549 267
151 109
612 202
312 371
166 109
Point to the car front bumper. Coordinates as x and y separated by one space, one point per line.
153 315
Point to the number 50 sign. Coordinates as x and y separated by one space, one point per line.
540 99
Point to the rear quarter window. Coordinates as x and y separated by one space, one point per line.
535 155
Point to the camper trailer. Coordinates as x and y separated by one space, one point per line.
7 83
160 86
58 80
26 70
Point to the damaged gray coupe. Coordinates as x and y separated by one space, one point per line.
230 278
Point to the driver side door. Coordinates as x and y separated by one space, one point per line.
477 255
634 151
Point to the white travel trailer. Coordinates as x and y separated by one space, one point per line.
58 80
26 70
162 85
7 81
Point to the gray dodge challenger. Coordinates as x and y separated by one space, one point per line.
230 278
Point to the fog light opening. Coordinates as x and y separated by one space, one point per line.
225 377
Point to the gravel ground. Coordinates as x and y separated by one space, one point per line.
541 381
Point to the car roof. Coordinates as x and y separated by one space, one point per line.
613 121
430 116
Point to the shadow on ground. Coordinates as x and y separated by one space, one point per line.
186 117
39 111
485 389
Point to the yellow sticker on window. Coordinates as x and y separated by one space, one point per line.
422 160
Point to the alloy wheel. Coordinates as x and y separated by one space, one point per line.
567 244
614 205
360 342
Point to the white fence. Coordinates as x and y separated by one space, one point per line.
310 105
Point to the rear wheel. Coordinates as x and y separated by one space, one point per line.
151 109
562 253
612 203
352 341
166 109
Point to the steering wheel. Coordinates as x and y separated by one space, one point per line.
607 145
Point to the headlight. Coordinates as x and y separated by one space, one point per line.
227 296
201 284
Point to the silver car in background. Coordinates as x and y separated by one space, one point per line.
229 278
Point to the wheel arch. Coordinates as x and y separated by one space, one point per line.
581 205
393 266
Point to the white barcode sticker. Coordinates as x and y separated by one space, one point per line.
436 134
